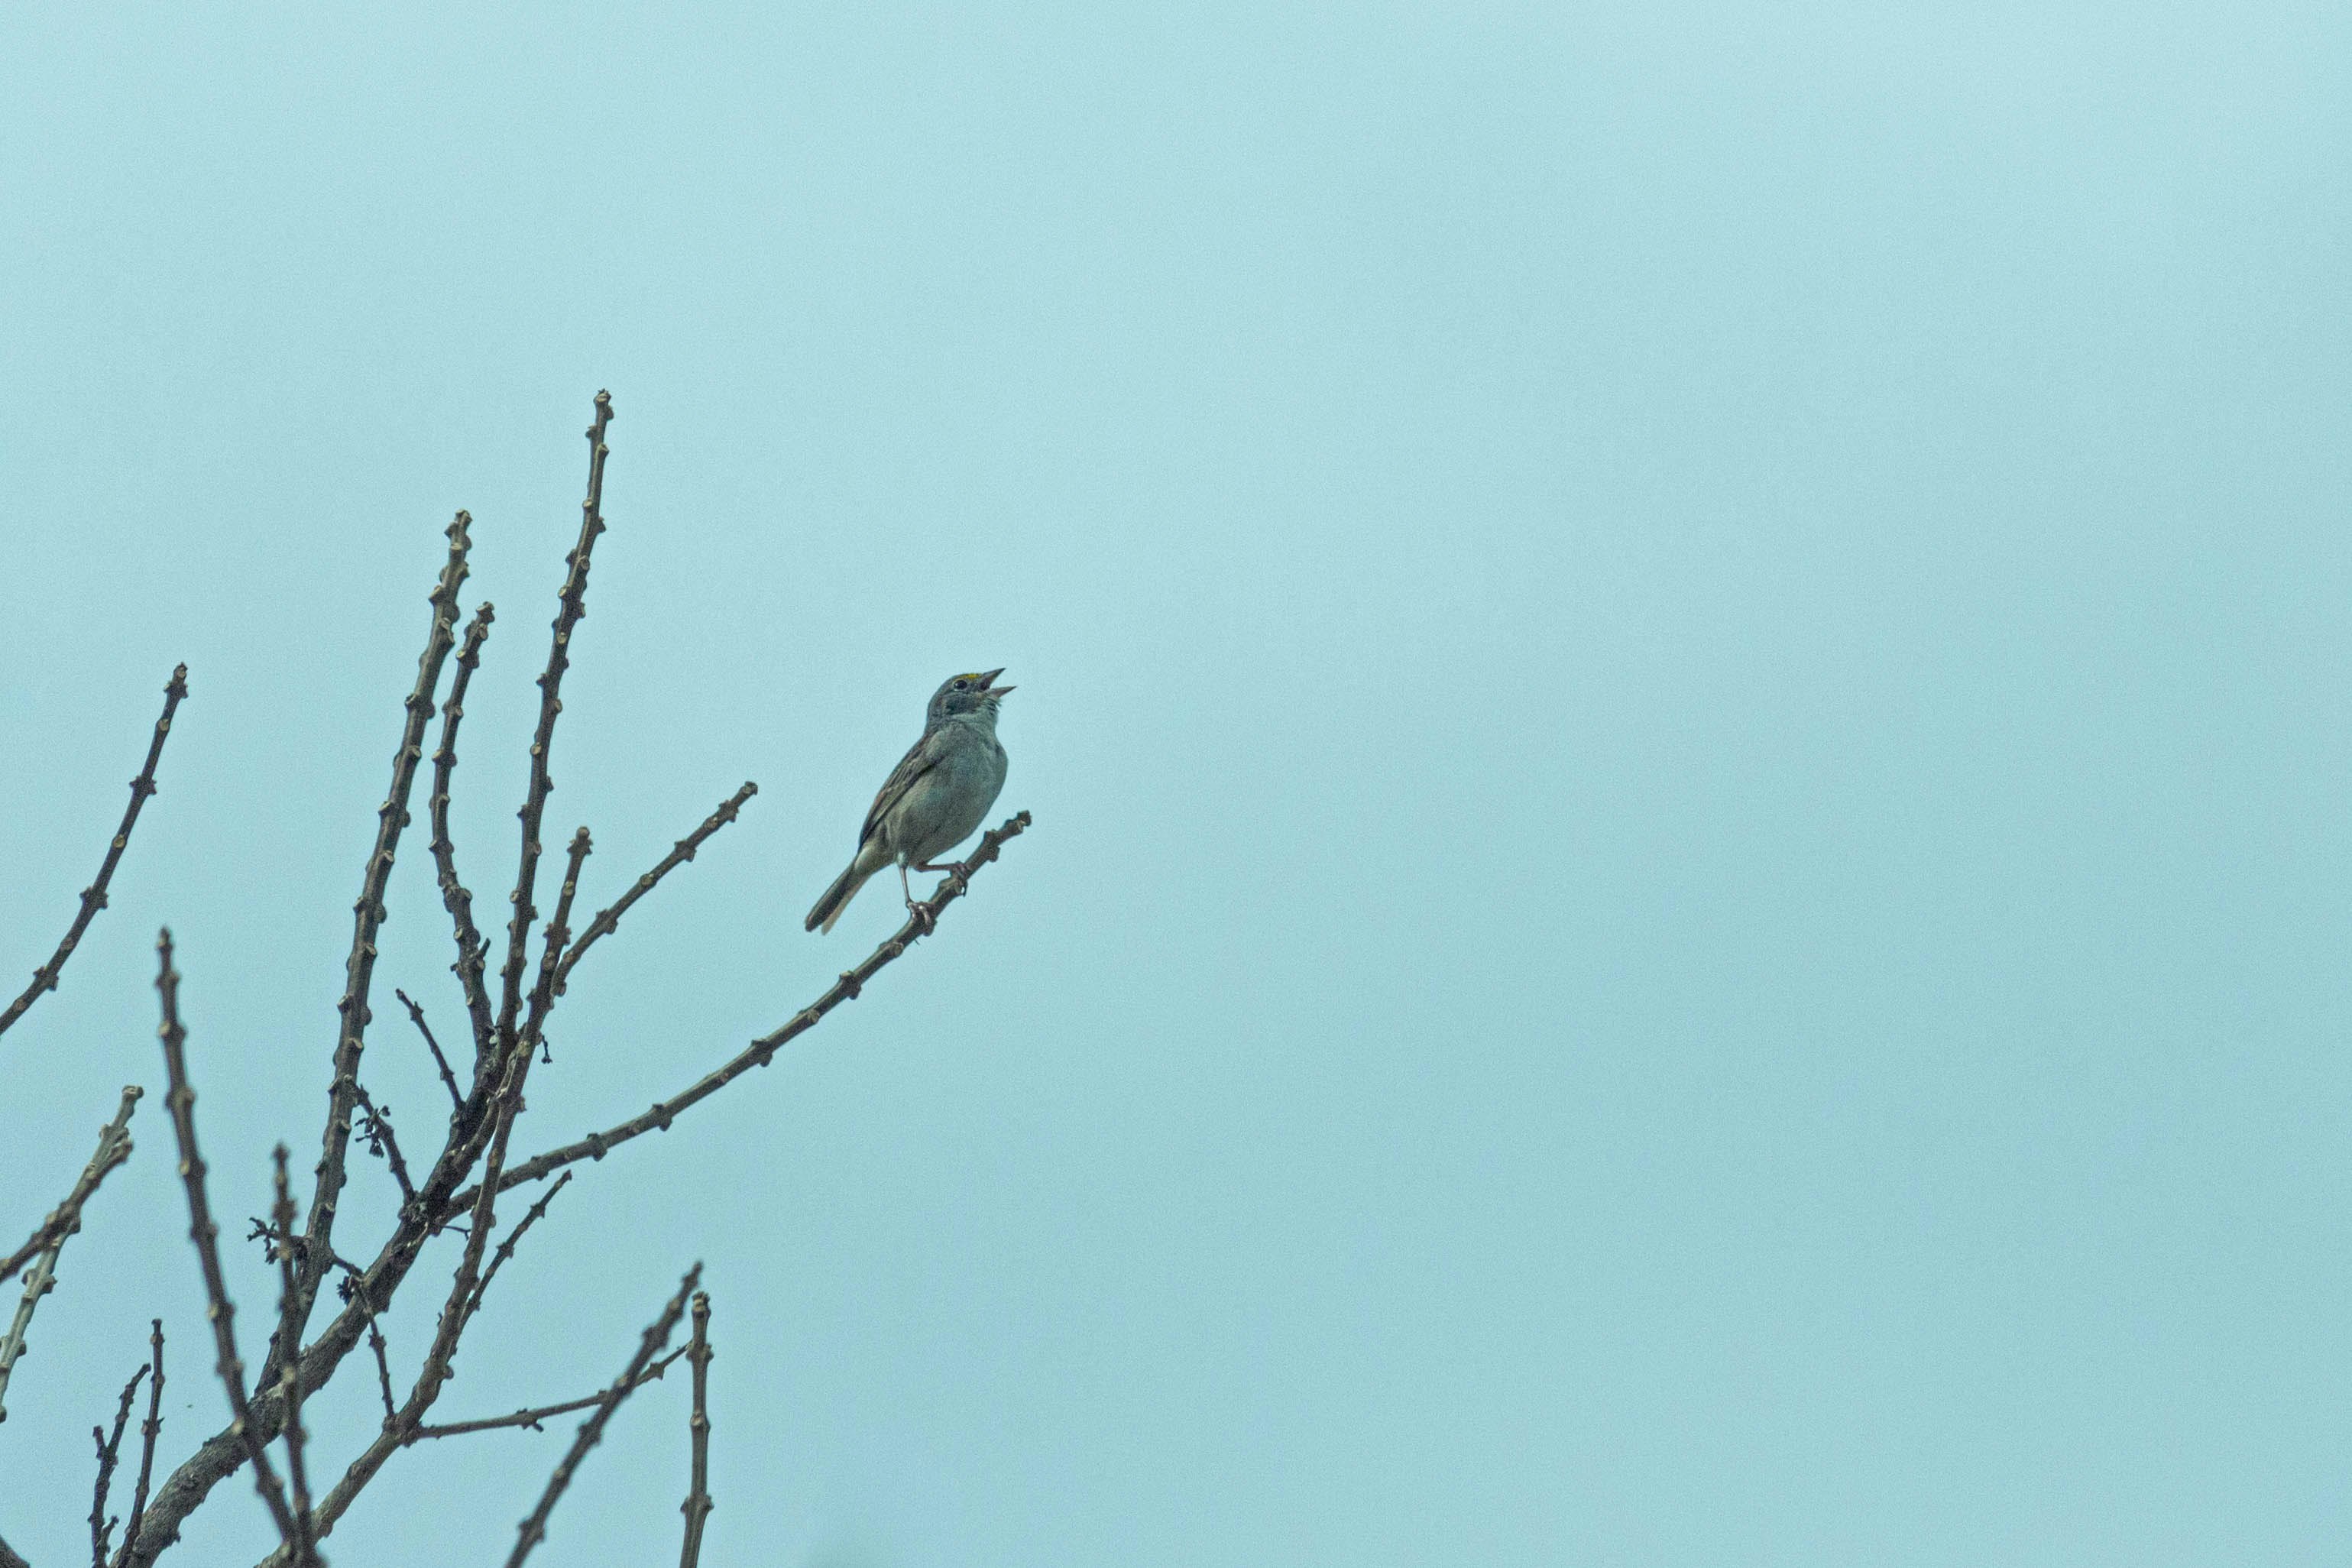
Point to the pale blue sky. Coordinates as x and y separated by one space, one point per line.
1681 671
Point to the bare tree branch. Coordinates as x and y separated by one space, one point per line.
181 1101
472 953
591 1431
93 898
382 1370
533 1417
570 607
149 1430
382 1142
113 1148
457 1100
465 1295
290 1357
367 914
698 1505
471 1168
102 1529
596 1145
514 1239
607 919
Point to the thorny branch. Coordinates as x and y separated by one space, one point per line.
591 1431
93 898
181 1101
113 1148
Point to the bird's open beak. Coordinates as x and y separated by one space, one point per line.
988 683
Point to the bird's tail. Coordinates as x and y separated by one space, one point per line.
845 887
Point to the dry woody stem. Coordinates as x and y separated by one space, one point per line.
149 1430
472 951
93 898
180 1099
289 1381
110 1448
698 1504
572 606
367 914
458 1187
49 1240
529 1419
591 1431
920 922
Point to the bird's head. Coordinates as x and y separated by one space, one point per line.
975 693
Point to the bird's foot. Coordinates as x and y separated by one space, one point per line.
958 870
923 915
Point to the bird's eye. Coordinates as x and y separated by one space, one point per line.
962 684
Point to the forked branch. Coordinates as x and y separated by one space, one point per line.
591 1431
760 1052
181 1101
367 915
570 607
113 1148
680 853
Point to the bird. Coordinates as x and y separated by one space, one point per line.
934 799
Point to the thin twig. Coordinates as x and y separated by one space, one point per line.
367 915
760 1052
102 1529
457 1100
113 1148
533 1417
679 854
93 898
591 1431
381 1142
181 1101
472 951
382 1370
505 1249
149 1430
698 1505
570 606
64 1219
290 1357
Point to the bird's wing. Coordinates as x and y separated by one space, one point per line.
920 758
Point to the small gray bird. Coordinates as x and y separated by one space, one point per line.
935 796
